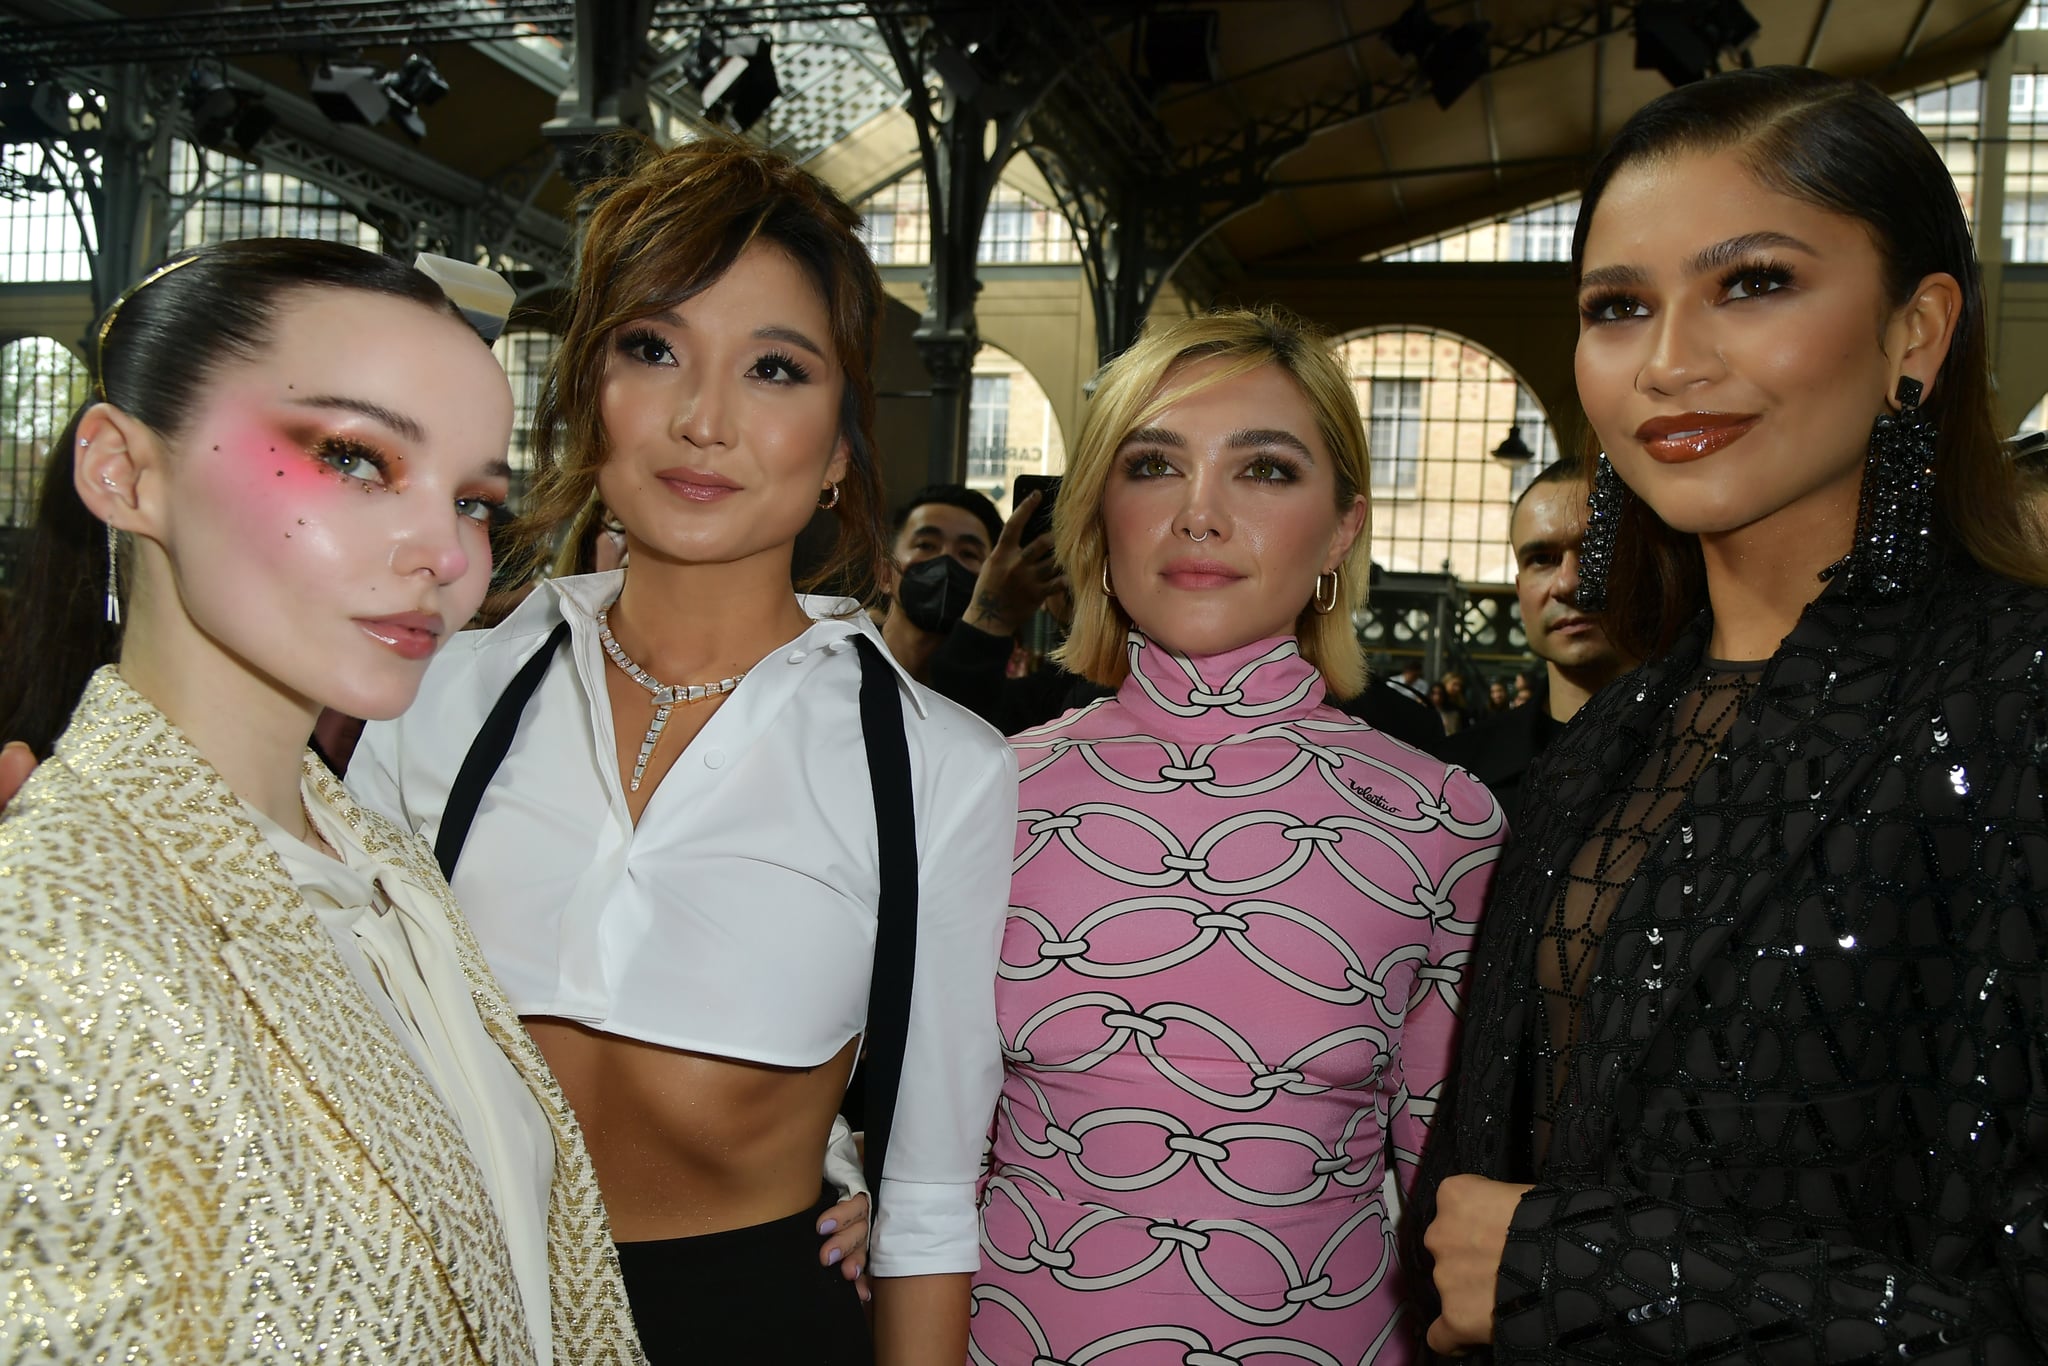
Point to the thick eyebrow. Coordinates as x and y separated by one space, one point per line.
771 332
1704 262
793 337
376 412
1155 436
1254 437
1748 244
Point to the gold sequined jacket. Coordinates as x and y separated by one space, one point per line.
212 1147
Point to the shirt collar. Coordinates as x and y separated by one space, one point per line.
833 619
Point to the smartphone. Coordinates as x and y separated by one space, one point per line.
1022 487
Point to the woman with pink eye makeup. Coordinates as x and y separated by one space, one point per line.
1755 1065
264 1098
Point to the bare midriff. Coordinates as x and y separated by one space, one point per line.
687 1143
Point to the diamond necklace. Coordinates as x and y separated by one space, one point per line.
665 695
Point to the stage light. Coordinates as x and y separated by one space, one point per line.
224 118
1452 60
736 77
351 94
417 81
32 112
1684 40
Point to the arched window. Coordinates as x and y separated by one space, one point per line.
222 198
1436 406
896 224
525 354
41 383
1011 427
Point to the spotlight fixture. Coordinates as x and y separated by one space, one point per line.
1178 47
1514 450
1451 59
224 118
351 94
416 84
34 112
1684 40
367 94
735 77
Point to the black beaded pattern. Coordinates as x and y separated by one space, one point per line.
1806 1115
1603 524
1601 886
1895 517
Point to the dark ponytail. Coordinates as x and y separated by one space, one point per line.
155 351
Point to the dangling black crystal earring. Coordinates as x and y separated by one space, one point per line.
1596 548
1894 549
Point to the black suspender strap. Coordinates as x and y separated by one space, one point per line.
488 751
888 751
881 723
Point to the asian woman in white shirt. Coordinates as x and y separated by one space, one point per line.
694 787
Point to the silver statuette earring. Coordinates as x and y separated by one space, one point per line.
113 576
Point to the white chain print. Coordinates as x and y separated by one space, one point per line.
1297 862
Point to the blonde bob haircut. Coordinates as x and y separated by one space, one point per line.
1131 392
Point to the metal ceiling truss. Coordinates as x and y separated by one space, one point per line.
317 26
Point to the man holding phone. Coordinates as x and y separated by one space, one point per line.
959 600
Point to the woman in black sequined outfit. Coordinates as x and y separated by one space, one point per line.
1756 1061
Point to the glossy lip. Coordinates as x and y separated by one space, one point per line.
1689 436
699 486
1198 574
413 635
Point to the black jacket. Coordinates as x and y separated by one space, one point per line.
1500 750
1824 1135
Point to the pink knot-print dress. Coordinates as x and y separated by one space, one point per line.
1239 923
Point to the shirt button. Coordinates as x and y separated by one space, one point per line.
798 656
714 758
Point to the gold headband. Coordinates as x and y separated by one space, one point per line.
100 346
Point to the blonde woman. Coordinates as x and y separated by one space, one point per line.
1239 917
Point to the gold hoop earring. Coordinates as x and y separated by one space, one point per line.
1107 591
830 498
1325 603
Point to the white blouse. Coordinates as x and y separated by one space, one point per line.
400 948
738 918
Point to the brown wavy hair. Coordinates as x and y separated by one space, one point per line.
658 234
1843 146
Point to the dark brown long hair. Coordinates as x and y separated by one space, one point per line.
662 233
156 350
1842 146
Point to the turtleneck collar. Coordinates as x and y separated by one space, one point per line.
1253 685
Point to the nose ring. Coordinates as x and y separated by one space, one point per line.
1193 537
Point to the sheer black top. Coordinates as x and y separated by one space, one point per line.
1760 1003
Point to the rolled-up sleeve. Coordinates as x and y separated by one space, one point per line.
953 1064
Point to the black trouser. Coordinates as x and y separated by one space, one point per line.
749 1295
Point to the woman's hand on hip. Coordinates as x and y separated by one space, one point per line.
845 1230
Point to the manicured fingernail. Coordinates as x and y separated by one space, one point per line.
832 1257
828 1226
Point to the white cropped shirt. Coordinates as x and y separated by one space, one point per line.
738 919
